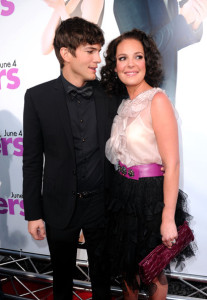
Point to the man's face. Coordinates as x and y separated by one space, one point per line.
82 67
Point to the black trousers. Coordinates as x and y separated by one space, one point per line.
1 292
88 216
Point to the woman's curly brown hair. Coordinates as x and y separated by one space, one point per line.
154 73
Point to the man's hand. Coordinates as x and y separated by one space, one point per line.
163 170
194 12
200 7
37 229
188 12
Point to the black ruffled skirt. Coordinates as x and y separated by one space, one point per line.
134 214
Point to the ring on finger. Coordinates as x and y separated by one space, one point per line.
173 241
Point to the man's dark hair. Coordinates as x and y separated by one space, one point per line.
74 32
154 72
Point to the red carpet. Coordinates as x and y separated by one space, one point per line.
9 288
46 294
83 295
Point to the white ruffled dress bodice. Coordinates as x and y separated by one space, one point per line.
133 140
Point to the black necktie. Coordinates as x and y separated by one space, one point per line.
85 91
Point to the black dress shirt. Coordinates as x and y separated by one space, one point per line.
82 114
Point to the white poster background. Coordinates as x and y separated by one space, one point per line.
21 34
191 103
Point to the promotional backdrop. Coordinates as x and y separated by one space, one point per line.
27 59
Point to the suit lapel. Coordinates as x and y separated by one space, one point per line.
62 110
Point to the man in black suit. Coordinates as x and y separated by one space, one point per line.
65 174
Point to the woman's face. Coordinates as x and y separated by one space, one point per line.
130 62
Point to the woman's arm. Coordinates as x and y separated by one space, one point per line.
49 33
166 131
59 13
91 10
71 6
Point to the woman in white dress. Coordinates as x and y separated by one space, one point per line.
145 207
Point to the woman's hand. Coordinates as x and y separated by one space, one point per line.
169 233
57 5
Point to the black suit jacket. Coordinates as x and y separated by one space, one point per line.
49 167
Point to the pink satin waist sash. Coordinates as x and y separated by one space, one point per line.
136 172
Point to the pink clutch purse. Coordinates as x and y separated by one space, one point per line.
153 264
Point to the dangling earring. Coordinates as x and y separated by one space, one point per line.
116 76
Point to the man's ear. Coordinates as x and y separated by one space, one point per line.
66 55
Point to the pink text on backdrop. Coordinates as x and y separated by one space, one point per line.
17 145
9 74
6 8
11 206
